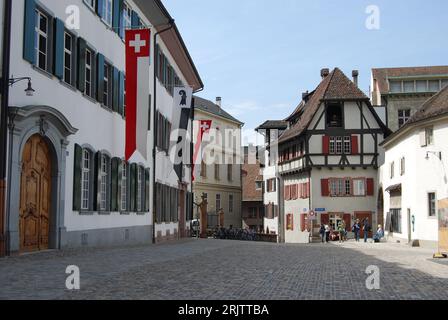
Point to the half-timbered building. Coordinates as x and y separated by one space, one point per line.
328 158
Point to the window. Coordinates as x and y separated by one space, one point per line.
432 204
217 173
124 96
396 220
359 187
340 187
41 42
347 145
340 145
395 86
332 145
402 166
127 17
392 170
434 85
218 203
258 185
203 169
403 117
334 115
88 79
231 203
68 58
271 185
140 181
252 213
429 135
422 85
85 182
107 12
444 83
124 187
91 3
107 97
103 180
408 86
229 172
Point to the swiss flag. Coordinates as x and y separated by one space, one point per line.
137 91
204 127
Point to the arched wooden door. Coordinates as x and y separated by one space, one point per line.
35 195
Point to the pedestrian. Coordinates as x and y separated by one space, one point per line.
327 233
356 229
366 228
379 234
322 232
341 230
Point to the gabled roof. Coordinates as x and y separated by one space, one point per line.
335 86
273 124
435 106
383 74
211 107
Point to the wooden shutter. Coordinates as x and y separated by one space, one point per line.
370 187
303 222
117 16
325 187
97 183
115 162
325 218
81 78
290 222
308 190
355 145
348 221
29 53
59 48
133 187
147 189
77 178
423 138
326 145
115 89
100 78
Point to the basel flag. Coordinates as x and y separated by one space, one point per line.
137 91
204 127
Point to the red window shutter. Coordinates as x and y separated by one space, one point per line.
296 191
325 187
326 145
303 222
325 218
308 191
370 187
355 145
348 221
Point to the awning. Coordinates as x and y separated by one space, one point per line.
395 187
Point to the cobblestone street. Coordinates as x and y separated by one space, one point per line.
213 269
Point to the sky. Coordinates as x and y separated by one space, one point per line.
260 55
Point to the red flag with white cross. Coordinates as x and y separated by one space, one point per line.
137 91
204 127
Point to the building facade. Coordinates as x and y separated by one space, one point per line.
69 184
218 177
252 180
414 176
397 93
328 159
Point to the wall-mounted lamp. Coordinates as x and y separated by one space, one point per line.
29 90
437 154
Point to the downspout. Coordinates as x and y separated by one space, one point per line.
156 67
4 120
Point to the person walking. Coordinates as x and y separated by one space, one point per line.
341 230
366 228
327 233
322 232
356 229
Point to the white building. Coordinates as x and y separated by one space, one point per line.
414 175
68 184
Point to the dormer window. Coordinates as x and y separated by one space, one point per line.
334 115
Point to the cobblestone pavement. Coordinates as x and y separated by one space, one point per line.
218 269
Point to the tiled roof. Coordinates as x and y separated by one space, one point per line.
211 107
437 105
382 74
335 86
273 124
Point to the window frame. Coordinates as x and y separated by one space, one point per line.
71 54
231 203
429 204
89 69
107 17
403 117
91 6
46 35
218 200
104 177
86 179
124 187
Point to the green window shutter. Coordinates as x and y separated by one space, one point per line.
147 189
119 182
121 93
117 15
149 113
59 48
81 83
77 177
114 184
99 77
29 53
133 187
99 7
97 183
116 90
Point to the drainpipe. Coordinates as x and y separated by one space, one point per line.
4 119
156 67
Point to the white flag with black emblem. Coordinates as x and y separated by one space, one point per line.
182 97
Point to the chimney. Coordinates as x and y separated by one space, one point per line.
219 101
324 73
355 74
305 95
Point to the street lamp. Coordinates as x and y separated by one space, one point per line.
29 90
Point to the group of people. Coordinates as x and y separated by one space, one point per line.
327 233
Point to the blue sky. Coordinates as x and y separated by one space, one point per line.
260 55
